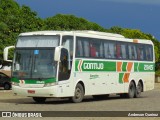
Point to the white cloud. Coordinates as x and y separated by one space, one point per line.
154 2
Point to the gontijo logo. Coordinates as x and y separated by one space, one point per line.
93 66
148 67
90 65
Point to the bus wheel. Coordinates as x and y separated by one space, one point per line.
131 90
138 90
79 94
39 99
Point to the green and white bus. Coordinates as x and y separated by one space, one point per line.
74 64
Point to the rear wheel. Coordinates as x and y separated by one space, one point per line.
39 99
139 90
79 94
131 90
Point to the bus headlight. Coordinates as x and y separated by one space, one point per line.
15 84
50 84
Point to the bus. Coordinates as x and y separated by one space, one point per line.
75 64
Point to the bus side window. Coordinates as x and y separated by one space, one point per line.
82 47
101 50
92 50
86 47
107 53
124 51
67 43
79 50
110 49
118 51
121 50
148 52
132 52
140 52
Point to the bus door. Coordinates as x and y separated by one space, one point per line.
65 66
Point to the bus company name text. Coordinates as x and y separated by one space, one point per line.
148 67
93 66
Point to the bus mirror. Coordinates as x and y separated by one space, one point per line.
57 53
61 54
5 53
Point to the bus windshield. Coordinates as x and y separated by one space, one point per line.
36 63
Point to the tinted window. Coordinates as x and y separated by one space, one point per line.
82 47
132 51
121 50
96 48
140 52
109 49
148 52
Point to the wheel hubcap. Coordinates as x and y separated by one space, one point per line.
78 93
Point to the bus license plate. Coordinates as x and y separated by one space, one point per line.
31 91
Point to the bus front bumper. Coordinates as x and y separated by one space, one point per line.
35 92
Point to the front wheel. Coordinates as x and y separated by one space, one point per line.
39 99
79 94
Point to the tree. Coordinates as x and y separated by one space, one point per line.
70 22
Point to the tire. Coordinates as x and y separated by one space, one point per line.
39 99
79 94
131 90
139 90
7 86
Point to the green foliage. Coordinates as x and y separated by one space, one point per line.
70 22
15 19
130 33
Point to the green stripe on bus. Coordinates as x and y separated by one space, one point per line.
95 66
136 66
121 77
33 81
76 65
87 65
124 66
146 67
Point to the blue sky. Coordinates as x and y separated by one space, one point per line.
134 14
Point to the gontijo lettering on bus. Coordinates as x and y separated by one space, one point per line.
87 65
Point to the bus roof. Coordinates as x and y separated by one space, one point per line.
118 37
71 32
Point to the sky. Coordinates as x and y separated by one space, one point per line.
133 14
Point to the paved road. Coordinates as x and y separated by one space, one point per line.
149 101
